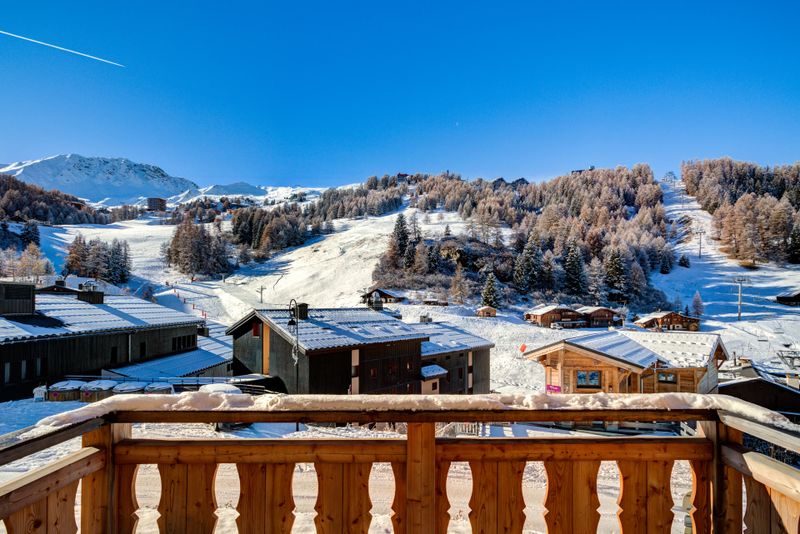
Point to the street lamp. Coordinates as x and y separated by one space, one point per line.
294 317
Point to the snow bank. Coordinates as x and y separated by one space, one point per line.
200 401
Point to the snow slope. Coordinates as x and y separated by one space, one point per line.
766 326
109 181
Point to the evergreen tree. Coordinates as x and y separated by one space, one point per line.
400 234
596 281
29 233
616 279
97 260
447 232
793 255
683 261
527 266
77 253
490 295
638 280
574 271
409 256
414 230
458 286
697 305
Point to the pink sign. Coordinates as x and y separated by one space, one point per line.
552 389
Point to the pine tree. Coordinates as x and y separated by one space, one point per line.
793 255
409 256
683 261
97 260
490 295
574 272
446 230
528 265
458 286
596 281
400 234
30 233
697 305
616 279
414 229
638 280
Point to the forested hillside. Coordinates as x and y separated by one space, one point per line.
591 236
22 201
755 207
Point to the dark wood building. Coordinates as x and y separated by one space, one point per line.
156 204
385 296
343 350
66 335
600 316
554 316
790 298
669 320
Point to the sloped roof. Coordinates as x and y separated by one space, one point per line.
679 349
660 315
445 337
379 290
540 310
331 328
591 309
432 371
790 293
211 351
64 314
617 345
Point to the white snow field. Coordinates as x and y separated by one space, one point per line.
766 326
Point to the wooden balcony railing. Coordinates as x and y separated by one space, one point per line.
722 470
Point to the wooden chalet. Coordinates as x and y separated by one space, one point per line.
600 316
156 204
555 315
789 298
45 336
669 320
58 286
623 361
355 350
385 296
486 311
736 484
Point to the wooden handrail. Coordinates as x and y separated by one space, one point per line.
16 448
32 486
772 473
408 416
777 436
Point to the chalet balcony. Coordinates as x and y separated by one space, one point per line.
95 486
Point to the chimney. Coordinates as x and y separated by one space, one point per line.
202 331
302 311
90 294
375 301
60 282
425 318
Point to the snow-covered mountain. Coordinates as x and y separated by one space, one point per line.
109 181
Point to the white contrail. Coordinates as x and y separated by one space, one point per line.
61 48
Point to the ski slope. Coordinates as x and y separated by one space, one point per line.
766 326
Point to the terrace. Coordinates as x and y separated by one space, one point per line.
733 487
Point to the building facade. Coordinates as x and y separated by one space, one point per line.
669 320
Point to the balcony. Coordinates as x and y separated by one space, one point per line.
732 486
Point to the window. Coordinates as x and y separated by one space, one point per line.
460 372
38 366
408 366
142 349
434 386
391 369
373 373
23 370
256 329
588 379
7 372
469 369
354 371
668 378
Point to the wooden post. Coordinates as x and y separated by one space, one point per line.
726 482
421 478
98 491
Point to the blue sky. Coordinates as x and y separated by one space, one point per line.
327 93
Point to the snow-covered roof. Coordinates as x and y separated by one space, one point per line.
432 371
790 293
387 292
211 351
64 314
541 310
679 349
591 309
643 349
660 315
617 345
485 308
445 337
330 328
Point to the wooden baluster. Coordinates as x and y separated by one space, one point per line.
785 514
483 502
726 482
99 495
510 501
399 517
61 510
442 501
172 506
201 500
128 505
757 517
421 477
571 502
632 500
29 520
357 504
645 499
701 496
266 503
330 482
659 497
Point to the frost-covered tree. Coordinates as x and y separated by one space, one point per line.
400 234
490 296
683 261
421 265
458 286
30 233
616 278
528 265
698 308
596 281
